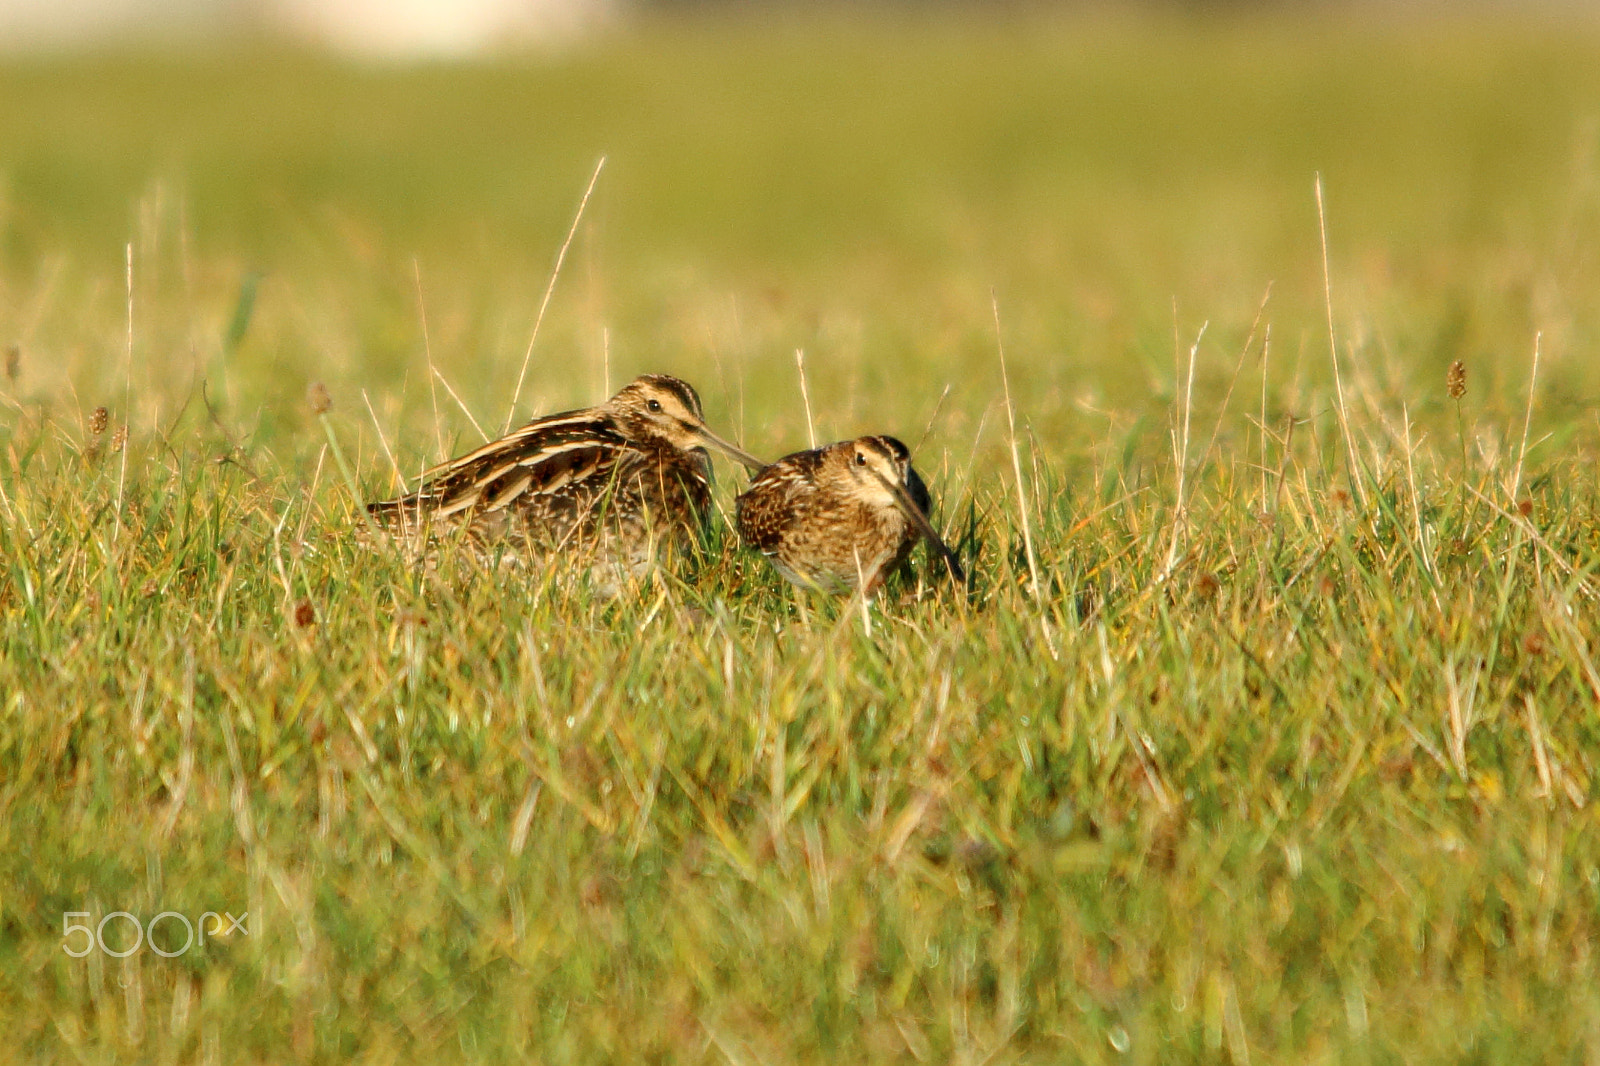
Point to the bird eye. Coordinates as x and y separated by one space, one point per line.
861 458
654 405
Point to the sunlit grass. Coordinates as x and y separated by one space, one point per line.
1286 757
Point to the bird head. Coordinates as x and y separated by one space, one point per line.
879 471
664 409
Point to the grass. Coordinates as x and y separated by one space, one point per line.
1286 753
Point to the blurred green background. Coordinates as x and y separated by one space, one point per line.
854 184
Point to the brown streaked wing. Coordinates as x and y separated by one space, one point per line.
548 427
764 508
548 474
541 458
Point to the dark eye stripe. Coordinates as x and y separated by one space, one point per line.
681 389
896 450
691 400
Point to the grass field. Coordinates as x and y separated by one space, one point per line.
1265 731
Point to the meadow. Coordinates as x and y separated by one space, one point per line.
1263 732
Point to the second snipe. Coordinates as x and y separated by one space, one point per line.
841 517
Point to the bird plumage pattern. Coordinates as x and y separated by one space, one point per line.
841 517
608 486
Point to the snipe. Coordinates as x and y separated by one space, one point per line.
605 487
840 517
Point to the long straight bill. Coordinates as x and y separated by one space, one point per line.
920 520
732 451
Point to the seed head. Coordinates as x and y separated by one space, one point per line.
317 396
1455 380
98 418
304 614
1525 508
119 439
13 363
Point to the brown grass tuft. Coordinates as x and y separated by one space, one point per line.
317 396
